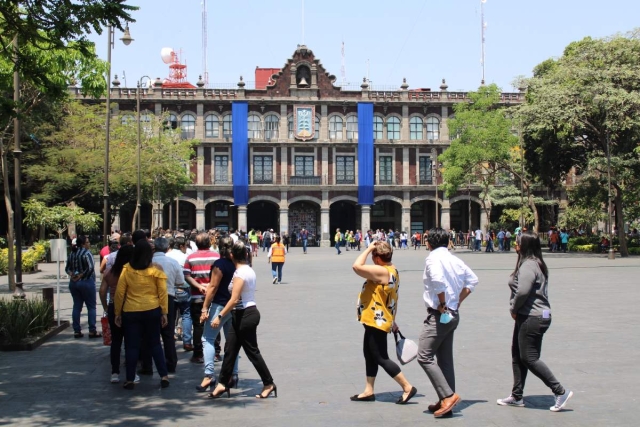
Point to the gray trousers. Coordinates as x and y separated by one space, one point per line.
435 353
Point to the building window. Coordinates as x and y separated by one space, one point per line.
415 128
393 128
290 126
211 126
335 128
433 129
227 126
188 126
253 126
317 131
425 169
352 128
147 126
271 126
128 118
221 169
386 170
171 122
262 169
345 170
378 125
304 165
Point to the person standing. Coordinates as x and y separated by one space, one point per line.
197 272
276 256
141 311
82 285
489 239
245 318
478 241
304 236
447 283
507 241
530 308
337 240
183 294
501 237
564 240
377 305
266 238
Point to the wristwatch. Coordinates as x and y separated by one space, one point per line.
443 304
220 316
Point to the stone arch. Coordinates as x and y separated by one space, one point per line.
425 197
218 199
463 198
304 199
342 199
184 113
263 198
391 198
198 204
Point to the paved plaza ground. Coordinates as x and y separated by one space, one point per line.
311 342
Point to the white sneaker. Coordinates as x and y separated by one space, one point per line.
115 378
275 279
561 401
136 379
511 401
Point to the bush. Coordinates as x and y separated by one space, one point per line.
20 319
30 258
585 248
634 250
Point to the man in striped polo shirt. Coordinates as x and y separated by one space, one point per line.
197 272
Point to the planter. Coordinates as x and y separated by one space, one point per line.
36 341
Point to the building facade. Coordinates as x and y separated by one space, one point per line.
303 152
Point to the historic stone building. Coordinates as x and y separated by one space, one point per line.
303 152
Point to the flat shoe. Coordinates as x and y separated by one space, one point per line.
370 398
405 401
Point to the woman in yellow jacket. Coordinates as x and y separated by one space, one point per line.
377 305
141 308
277 252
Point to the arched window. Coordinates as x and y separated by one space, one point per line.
352 128
227 126
253 126
415 128
188 126
378 125
271 126
393 128
171 122
145 123
335 128
317 130
211 126
433 129
128 118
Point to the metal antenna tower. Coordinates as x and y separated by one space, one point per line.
483 27
343 70
205 66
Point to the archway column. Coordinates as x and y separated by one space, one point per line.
365 218
445 215
284 220
242 218
406 205
325 241
200 218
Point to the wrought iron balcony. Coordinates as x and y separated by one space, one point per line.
345 180
263 180
305 180
426 180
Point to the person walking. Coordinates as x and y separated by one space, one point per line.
254 239
267 236
564 240
377 305
108 287
489 239
82 285
530 308
447 283
245 318
183 294
478 240
276 256
141 310
304 236
337 240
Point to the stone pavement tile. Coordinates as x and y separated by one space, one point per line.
312 343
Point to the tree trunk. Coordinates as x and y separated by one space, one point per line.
134 220
624 251
7 201
536 217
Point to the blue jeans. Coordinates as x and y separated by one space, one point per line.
83 292
478 245
338 247
142 328
276 270
304 245
185 311
209 337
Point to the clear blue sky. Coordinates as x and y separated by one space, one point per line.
422 40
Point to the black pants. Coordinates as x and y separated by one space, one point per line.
168 341
198 328
116 340
375 353
525 354
243 334
142 329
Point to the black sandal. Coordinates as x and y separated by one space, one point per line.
95 335
78 335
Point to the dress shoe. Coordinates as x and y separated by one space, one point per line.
370 398
435 406
447 405
187 347
196 359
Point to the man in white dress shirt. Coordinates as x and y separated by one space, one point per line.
447 282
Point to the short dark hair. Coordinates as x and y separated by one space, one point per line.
142 255
438 238
203 241
138 235
81 240
160 244
179 241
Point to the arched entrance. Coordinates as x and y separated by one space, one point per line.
423 215
304 214
345 215
386 215
263 215
221 215
186 215
126 216
460 215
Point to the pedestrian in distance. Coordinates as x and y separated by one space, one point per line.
531 311
377 305
337 241
276 256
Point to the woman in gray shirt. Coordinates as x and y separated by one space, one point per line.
531 311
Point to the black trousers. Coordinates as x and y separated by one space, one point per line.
168 341
375 353
198 328
525 354
117 337
243 334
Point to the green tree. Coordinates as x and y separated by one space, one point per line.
583 106
59 218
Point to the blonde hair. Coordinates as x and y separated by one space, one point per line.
382 250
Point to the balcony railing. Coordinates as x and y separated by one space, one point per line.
221 181
426 181
263 180
385 181
305 180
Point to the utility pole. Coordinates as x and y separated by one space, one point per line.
483 26
17 157
612 254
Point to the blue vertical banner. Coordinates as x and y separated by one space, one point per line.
240 152
366 163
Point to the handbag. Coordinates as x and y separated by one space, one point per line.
406 350
106 330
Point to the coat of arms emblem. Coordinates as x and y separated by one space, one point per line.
304 122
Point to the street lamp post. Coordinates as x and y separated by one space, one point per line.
612 254
139 149
436 167
106 223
